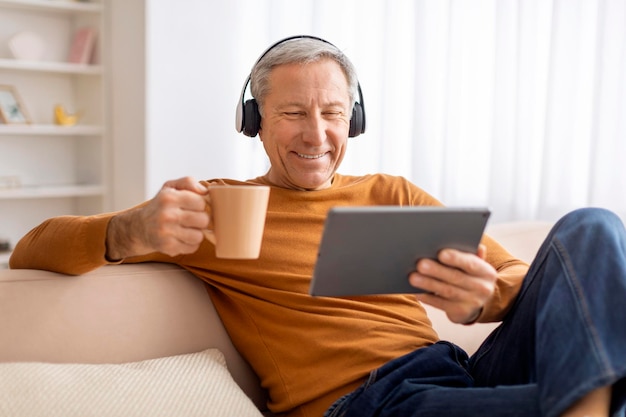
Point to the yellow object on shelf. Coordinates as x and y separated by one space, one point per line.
61 117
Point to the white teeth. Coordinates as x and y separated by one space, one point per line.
311 156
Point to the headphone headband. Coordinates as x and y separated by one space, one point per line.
248 118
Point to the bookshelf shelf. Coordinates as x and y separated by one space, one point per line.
59 6
51 191
4 259
50 67
50 130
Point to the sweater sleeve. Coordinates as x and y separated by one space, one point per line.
511 272
68 244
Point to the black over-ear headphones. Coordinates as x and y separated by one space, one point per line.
248 118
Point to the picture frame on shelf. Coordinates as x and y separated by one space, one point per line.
12 109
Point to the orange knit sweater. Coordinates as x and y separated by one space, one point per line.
307 351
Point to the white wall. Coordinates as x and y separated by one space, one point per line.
127 89
190 99
171 98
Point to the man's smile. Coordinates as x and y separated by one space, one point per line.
305 156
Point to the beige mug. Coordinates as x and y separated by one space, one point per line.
237 219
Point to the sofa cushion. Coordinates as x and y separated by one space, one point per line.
196 384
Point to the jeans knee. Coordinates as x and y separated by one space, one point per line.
599 220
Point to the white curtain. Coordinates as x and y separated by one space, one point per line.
519 105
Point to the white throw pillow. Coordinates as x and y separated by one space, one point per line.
196 384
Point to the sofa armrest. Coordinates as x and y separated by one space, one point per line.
115 314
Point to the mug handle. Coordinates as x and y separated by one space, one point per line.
209 234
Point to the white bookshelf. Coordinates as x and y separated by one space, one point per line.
51 191
50 130
57 170
50 67
4 259
52 6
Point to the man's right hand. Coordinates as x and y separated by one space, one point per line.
170 223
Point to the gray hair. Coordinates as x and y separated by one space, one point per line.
300 50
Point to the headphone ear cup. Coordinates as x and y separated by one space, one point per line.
251 118
357 122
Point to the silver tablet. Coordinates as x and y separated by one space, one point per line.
372 250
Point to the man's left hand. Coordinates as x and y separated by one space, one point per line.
458 283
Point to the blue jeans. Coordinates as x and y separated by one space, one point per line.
564 336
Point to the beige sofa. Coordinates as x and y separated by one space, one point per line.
139 332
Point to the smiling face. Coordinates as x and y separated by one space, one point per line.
305 124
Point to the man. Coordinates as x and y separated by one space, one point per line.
366 356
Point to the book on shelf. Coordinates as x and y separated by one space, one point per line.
83 44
